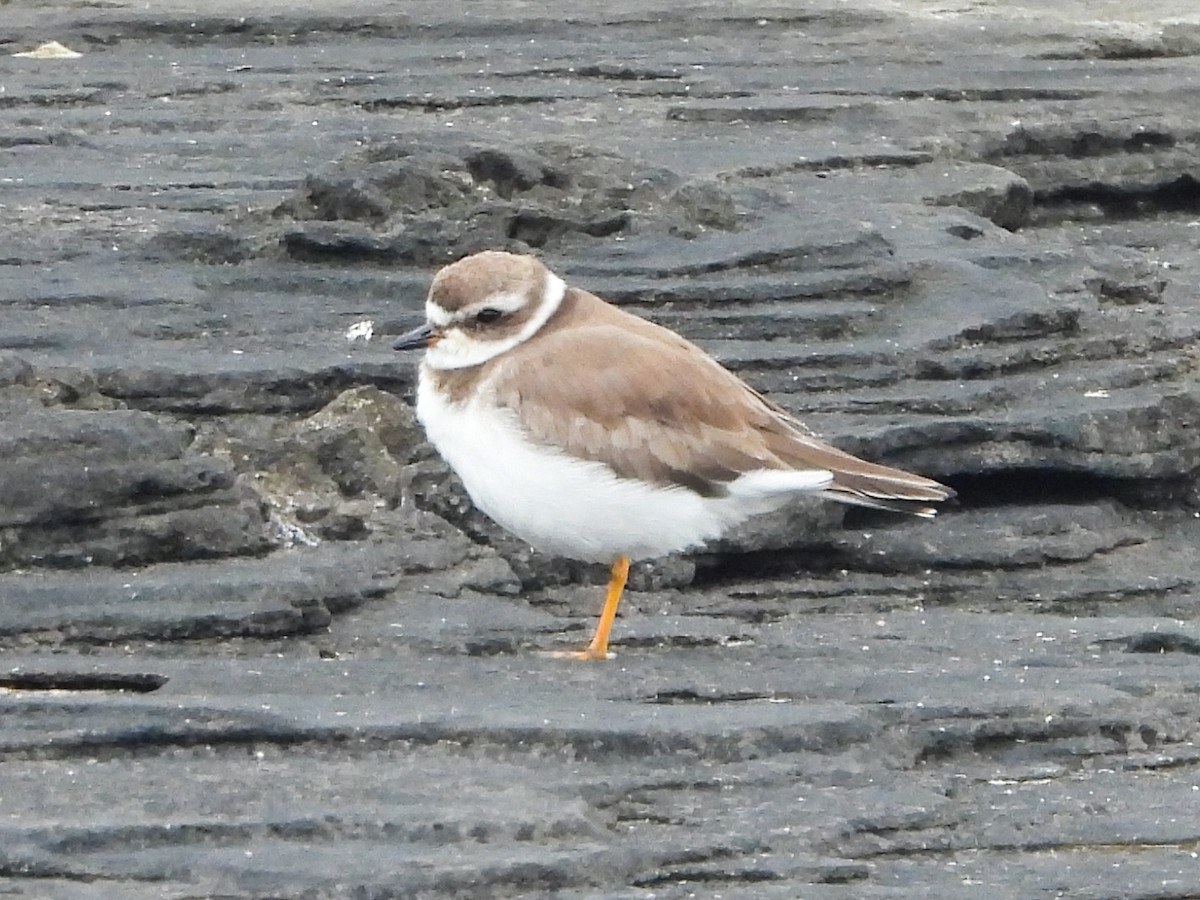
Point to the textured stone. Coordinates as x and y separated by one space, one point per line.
116 488
256 642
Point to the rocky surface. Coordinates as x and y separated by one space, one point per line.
255 642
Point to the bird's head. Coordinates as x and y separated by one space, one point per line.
482 306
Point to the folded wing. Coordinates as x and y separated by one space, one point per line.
649 405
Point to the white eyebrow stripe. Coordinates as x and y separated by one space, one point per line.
436 316
556 290
507 302
457 352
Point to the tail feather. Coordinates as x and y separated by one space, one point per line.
892 504
856 481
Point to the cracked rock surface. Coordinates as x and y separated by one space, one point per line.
254 640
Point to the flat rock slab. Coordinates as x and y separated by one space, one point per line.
254 640
867 750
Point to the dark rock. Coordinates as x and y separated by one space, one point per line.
257 641
401 203
116 488
14 370
1162 642
1002 197
237 389
272 596
217 245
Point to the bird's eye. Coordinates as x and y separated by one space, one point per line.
488 315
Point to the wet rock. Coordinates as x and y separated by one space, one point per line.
239 595
402 203
117 488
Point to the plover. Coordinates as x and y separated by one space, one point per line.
597 435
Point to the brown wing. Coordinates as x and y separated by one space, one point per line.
650 405
855 480
648 408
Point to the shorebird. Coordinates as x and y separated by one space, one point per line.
594 434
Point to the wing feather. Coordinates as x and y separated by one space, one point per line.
661 411
649 405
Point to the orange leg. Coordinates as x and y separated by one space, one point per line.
598 648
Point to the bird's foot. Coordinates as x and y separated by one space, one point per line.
588 653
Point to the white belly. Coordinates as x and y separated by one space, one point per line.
563 505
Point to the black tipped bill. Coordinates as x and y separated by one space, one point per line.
421 336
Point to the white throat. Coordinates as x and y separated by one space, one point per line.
458 350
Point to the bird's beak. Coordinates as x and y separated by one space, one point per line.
422 336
